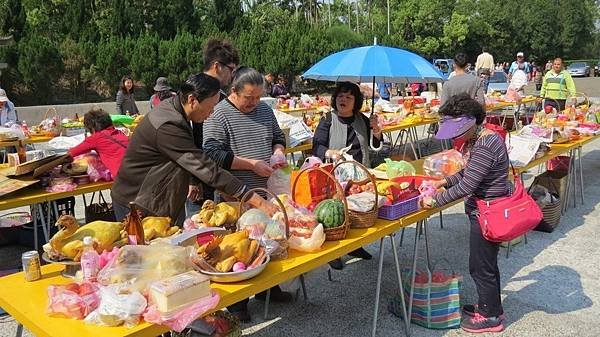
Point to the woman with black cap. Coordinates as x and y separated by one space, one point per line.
485 176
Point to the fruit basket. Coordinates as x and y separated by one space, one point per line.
361 219
331 233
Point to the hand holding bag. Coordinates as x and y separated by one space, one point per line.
506 218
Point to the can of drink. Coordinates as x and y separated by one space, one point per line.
31 265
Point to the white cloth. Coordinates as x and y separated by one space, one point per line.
518 80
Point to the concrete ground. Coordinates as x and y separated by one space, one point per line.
550 286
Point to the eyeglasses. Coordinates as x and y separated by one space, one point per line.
232 69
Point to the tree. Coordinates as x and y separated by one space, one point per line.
39 64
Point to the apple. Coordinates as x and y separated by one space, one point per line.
548 109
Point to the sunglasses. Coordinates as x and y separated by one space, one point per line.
232 69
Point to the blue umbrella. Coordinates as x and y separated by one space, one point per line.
374 63
377 64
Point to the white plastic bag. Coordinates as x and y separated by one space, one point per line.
118 308
310 244
280 181
65 143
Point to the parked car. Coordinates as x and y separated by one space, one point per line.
597 70
498 82
579 69
444 65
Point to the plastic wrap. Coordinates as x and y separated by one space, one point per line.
179 319
118 306
96 168
280 181
137 266
443 164
72 300
399 168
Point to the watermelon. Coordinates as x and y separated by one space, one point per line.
330 213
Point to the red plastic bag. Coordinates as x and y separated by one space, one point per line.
72 300
560 163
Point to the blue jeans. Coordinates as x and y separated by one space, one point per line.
121 211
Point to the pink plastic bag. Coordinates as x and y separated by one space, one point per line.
72 300
180 319
96 169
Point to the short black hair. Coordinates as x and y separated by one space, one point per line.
246 75
96 120
353 89
201 86
219 50
460 60
461 105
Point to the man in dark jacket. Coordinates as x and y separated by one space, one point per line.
162 156
220 59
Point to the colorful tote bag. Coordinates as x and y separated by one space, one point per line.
436 304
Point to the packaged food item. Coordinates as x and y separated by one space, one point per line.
399 168
443 164
72 300
178 291
118 305
138 266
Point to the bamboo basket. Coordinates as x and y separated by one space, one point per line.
283 243
361 219
336 233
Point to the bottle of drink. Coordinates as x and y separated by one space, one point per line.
25 128
135 231
90 260
21 152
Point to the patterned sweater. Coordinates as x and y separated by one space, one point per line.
484 177
229 132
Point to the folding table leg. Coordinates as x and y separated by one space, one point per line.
34 211
402 237
378 287
580 152
441 220
19 330
413 273
303 286
267 301
400 285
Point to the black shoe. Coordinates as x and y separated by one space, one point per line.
276 296
336 264
361 253
242 315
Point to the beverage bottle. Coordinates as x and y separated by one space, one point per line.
21 152
135 231
25 128
90 260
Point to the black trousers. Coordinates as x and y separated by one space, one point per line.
483 267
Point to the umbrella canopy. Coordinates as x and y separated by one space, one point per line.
374 63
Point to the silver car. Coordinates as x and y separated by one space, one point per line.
498 82
579 69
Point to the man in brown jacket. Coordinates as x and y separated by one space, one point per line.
162 156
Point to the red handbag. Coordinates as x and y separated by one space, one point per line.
507 218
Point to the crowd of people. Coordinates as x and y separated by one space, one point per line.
215 139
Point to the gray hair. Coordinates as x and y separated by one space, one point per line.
246 75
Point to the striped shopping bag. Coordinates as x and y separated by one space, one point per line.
436 304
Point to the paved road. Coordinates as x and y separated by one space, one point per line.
588 85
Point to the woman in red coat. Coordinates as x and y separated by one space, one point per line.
108 142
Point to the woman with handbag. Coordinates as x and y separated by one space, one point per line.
485 176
